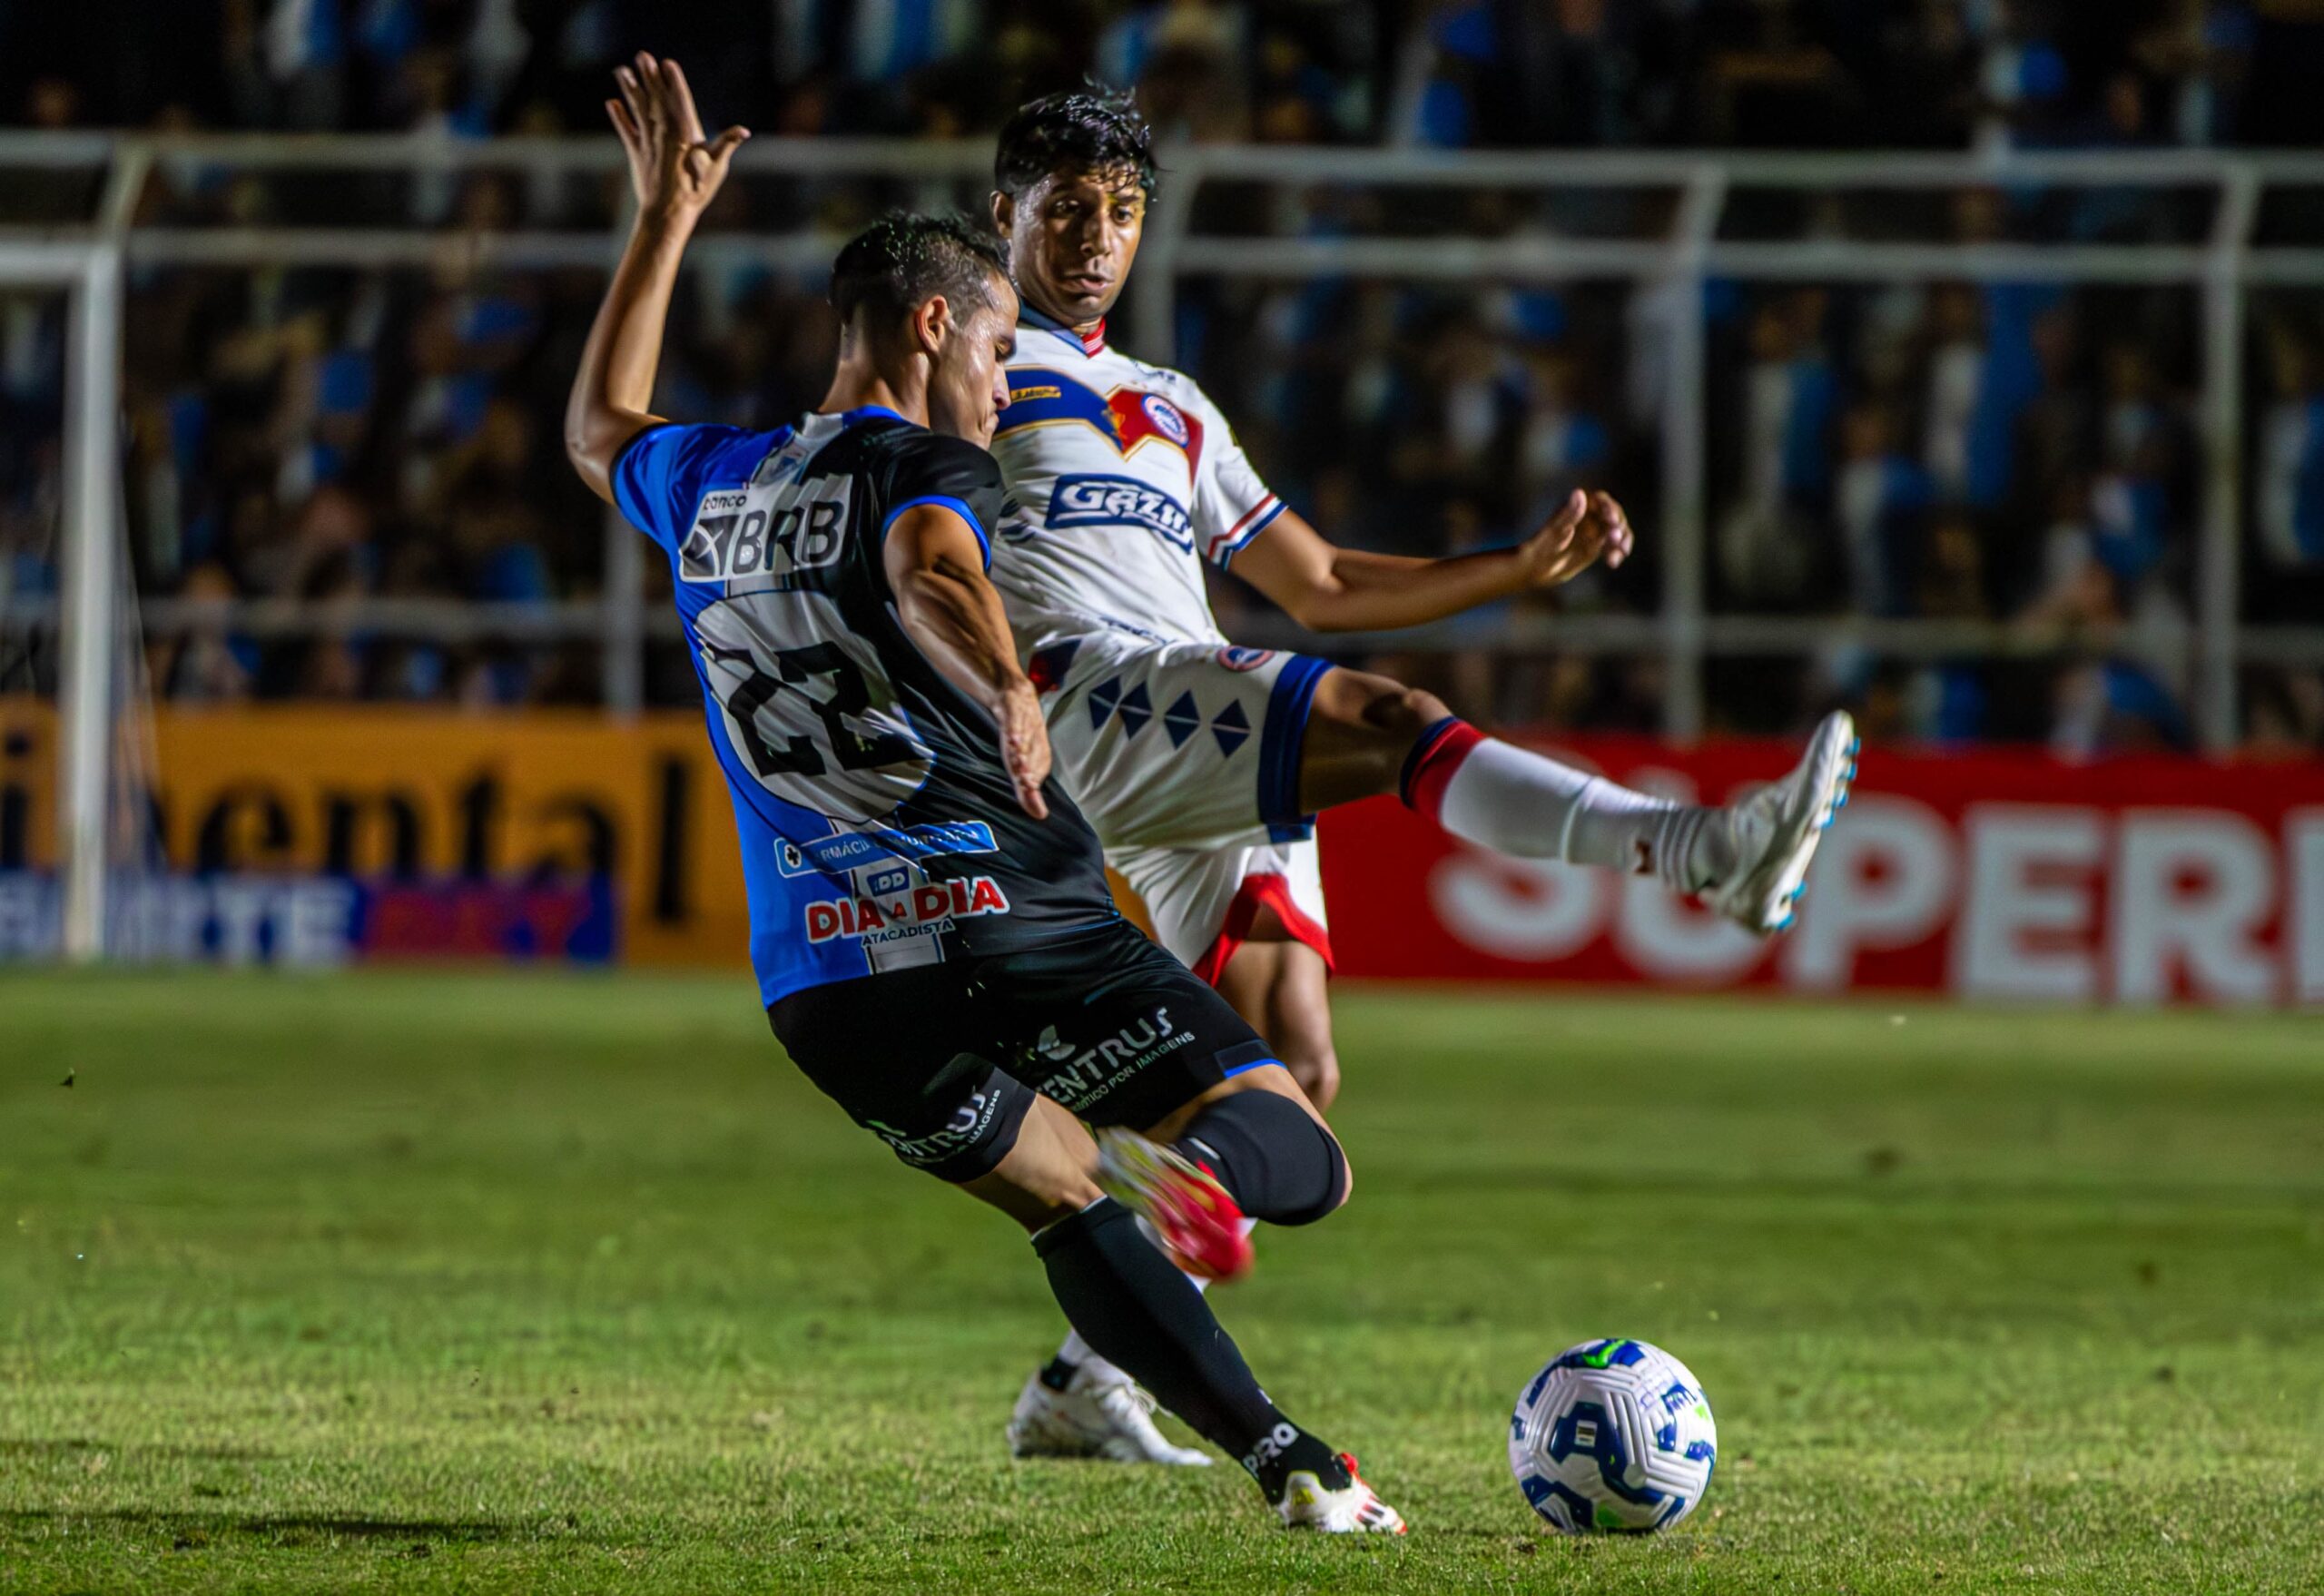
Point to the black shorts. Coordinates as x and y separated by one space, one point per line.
943 1061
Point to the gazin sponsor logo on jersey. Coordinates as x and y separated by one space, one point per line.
1084 501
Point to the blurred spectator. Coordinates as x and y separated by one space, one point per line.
2284 714
2117 707
1773 74
303 47
1917 74
1789 402
31 401
1965 452
2289 490
1565 443
205 664
1883 495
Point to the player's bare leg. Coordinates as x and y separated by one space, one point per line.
1360 729
1367 735
1282 986
1050 1173
1144 1314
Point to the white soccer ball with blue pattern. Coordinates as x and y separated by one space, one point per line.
1613 1435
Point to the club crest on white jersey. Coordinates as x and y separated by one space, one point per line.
1123 480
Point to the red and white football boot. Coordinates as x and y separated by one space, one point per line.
1355 1510
1193 1218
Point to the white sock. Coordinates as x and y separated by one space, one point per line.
1085 1357
1503 797
1085 1360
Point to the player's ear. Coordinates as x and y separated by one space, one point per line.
1004 213
931 325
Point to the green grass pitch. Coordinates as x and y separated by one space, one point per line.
565 1284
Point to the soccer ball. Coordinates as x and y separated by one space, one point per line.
1612 1435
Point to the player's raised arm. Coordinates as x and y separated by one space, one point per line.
936 569
675 172
1332 589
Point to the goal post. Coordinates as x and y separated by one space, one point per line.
92 573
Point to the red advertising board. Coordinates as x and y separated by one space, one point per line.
1989 875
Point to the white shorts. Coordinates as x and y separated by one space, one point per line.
1185 757
1203 900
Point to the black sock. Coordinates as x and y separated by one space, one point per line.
1128 1302
1271 1155
1288 1447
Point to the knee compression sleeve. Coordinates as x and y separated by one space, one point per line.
1279 1165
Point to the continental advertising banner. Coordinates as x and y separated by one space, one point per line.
308 835
1992 876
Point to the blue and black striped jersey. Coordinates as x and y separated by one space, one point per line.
879 829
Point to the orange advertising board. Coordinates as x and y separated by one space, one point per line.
376 790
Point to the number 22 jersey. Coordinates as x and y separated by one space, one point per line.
879 829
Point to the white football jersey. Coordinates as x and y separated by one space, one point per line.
1123 478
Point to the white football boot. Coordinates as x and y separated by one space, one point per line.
1356 1509
1109 1418
1773 833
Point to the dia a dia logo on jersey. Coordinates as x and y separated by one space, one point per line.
927 905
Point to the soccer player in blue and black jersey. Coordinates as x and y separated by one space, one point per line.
931 926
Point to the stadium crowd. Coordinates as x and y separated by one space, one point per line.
1774 74
1998 453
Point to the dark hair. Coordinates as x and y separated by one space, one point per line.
905 259
1095 130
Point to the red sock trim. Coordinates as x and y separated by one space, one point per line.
1432 767
1271 889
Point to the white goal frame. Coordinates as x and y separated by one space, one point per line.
89 540
85 265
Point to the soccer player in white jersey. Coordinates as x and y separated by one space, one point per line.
1201 764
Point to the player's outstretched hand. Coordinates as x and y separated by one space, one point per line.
675 170
1613 525
1025 747
1588 525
